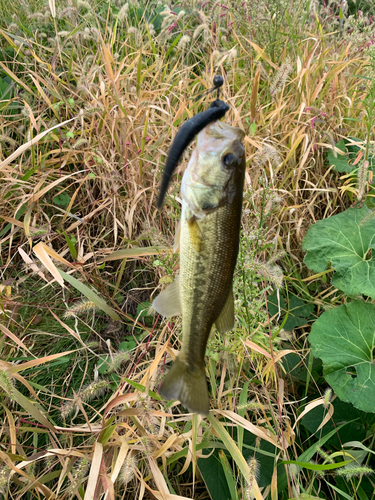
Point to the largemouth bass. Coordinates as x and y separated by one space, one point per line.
208 238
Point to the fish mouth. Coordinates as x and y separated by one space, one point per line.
221 130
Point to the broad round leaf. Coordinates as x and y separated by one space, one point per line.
344 339
347 243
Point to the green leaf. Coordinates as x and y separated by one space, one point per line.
61 199
143 312
253 128
241 411
357 444
214 478
339 162
344 339
127 345
264 452
228 475
70 242
107 432
142 388
6 90
230 445
342 493
347 244
310 452
344 163
309 466
357 429
103 364
299 313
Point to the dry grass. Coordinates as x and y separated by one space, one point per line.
84 136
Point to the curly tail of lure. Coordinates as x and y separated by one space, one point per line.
187 133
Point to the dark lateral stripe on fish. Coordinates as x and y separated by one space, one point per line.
184 137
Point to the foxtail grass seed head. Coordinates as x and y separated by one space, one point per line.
50 462
7 383
149 421
79 472
354 470
67 409
128 469
83 5
81 308
88 393
93 390
327 396
79 143
250 405
253 475
271 272
279 80
5 471
293 470
362 179
324 455
183 42
199 30
13 27
232 55
117 361
30 469
68 12
123 12
314 7
151 29
267 153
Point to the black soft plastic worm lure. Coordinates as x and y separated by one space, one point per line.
187 133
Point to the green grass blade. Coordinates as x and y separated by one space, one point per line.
228 475
91 295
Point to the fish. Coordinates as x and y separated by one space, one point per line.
208 238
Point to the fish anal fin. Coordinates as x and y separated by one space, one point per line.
225 321
188 385
168 303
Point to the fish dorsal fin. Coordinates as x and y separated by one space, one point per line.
168 303
225 321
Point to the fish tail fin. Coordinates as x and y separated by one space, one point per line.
188 385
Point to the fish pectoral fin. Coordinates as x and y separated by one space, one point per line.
195 234
168 303
225 321
176 245
188 385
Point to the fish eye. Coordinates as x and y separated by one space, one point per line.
229 160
